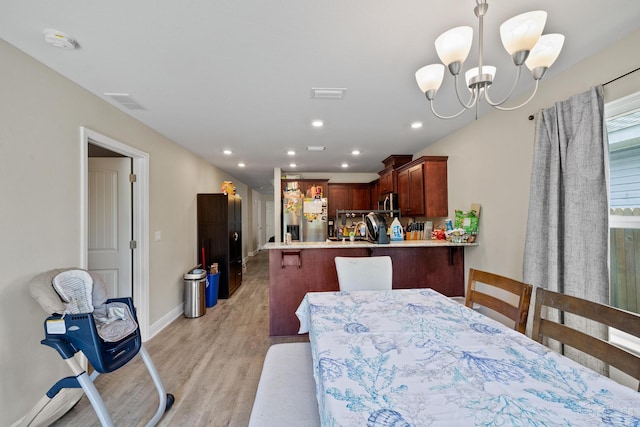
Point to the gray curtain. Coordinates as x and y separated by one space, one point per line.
566 248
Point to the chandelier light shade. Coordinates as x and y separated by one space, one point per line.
523 31
429 78
473 73
454 45
545 52
522 39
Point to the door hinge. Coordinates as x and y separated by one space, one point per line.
132 244
132 178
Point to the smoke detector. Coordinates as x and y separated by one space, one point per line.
60 40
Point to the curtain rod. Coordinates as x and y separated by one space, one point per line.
619 77
532 116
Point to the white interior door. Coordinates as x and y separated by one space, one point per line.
109 223
260 222
269 216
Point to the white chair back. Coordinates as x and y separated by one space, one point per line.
364 273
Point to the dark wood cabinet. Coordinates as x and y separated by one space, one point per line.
374 194
422 187
338 198
388 176
411 190
220 236
349 197
360 197
436 191
387 182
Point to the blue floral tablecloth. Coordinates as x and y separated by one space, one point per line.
413 357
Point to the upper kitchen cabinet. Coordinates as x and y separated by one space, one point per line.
338 198
349 197
360 196
387 183
411 190
374 191
388 176
422 187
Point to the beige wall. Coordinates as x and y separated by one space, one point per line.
490 160
41 114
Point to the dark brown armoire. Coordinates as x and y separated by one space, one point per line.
220 237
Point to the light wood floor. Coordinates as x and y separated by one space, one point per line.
211 364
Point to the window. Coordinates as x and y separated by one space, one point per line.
623 129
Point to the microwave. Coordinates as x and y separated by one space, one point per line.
388 202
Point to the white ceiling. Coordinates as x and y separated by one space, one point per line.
238 74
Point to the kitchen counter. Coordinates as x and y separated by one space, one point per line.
301 267
365 244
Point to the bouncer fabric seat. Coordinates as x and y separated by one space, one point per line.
83 318
105 330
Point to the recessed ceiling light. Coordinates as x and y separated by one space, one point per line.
292 165
317 123
241 164
291 153
416 125
227 152
355 152
345 165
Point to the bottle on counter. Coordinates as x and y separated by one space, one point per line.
397 233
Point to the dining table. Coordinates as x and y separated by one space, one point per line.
413 357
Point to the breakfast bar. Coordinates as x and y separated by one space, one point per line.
301 267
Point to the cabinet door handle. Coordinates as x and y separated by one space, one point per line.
235 236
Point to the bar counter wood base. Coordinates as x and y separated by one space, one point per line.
299 268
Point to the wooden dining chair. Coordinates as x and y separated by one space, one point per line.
521 293
364 273
625 321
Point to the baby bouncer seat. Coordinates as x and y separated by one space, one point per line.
105 330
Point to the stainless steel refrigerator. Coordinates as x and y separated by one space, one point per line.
305 218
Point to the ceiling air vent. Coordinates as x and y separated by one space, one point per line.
316 148
328 93
125 100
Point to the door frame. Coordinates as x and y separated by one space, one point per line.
140 217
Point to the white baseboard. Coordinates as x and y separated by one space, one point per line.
254 253
165 320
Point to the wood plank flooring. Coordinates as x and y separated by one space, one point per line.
211 364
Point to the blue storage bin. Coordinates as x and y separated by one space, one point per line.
211 292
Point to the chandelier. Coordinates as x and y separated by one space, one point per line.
521 37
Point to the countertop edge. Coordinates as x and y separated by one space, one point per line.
362 244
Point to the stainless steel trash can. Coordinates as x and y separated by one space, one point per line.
194 293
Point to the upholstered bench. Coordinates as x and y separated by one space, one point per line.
286 394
